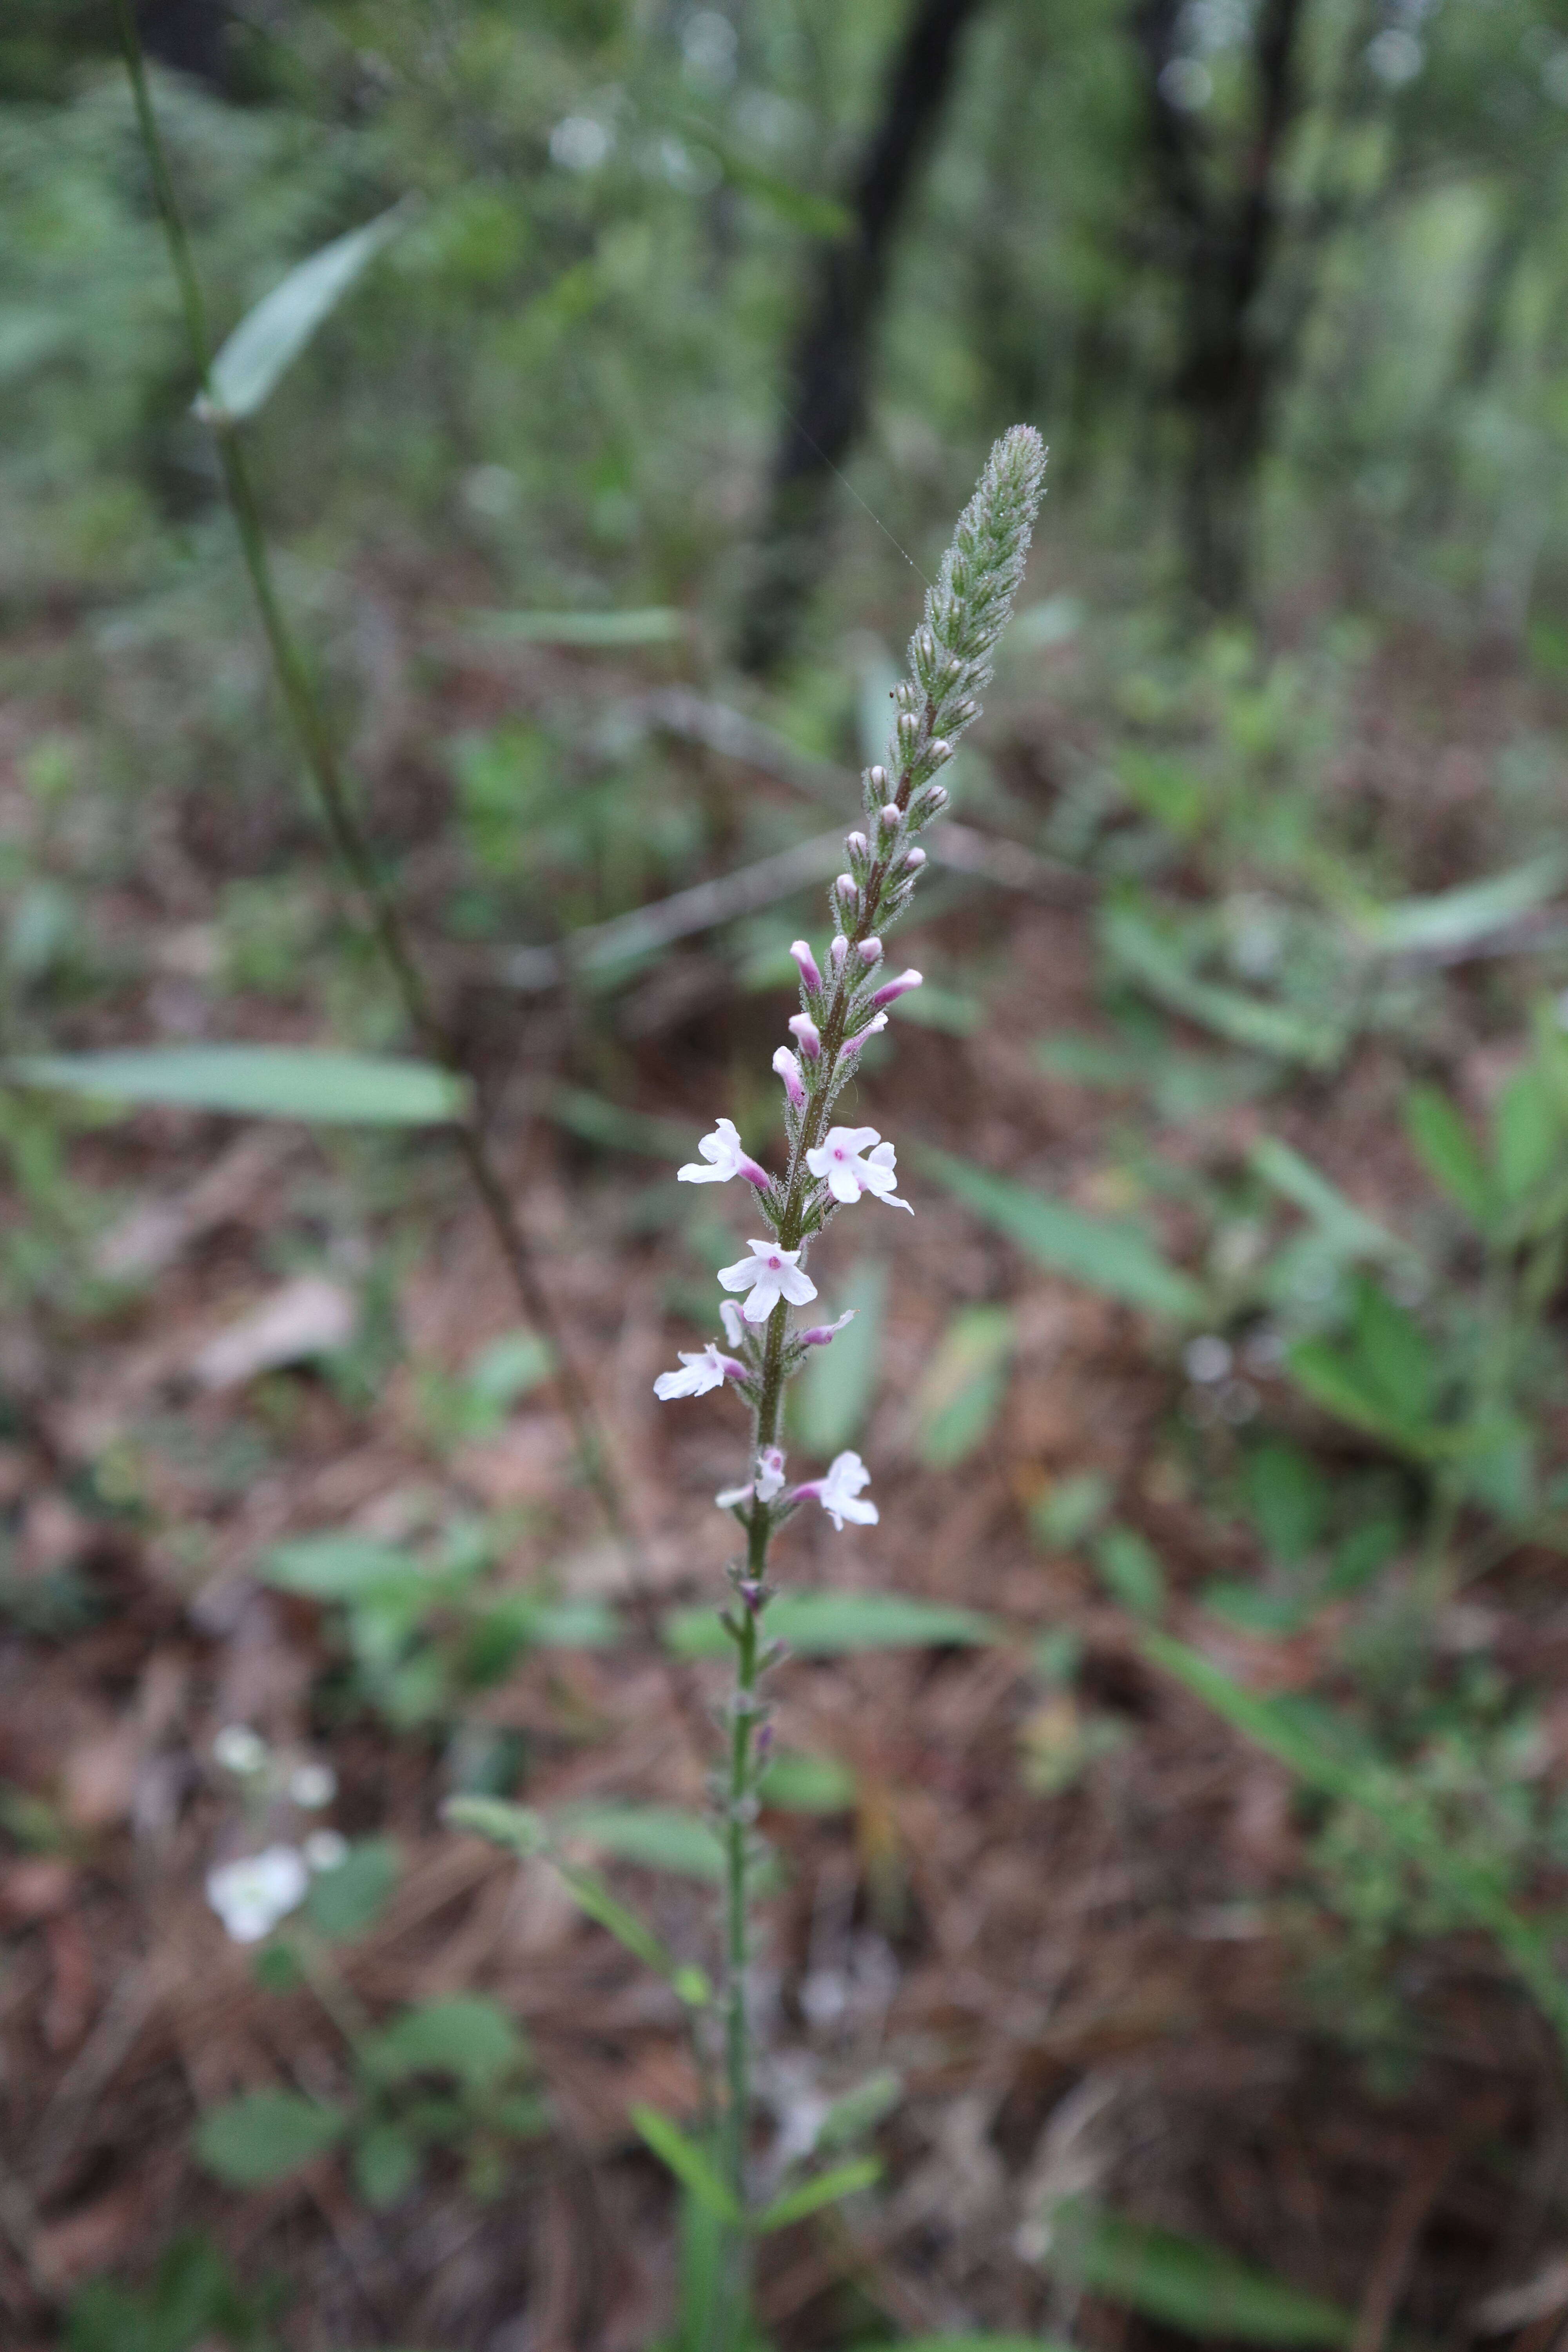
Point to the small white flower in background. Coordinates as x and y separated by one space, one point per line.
836 1162
326 1850
705 1370
770 1274
239 1750
839 1492
251 1895
1207 1358
725 1157
579 143
769 1479
312 1786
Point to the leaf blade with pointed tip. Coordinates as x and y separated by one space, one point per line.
843 2181
257 1082
689 2163
269 338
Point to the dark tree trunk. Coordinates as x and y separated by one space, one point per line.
830 362
1224 246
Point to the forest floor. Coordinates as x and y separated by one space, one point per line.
1069 1912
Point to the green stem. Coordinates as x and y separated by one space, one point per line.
353 852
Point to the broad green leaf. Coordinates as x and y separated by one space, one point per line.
794 1783
1070 1508
339 1568
258 1081
1327 1753
654 624
1090 1062
343 1903
1344 1389
962 1387
1288 1497
690 2164
465 2034
828 2189
658 1837
1261 1025
266 2134
836 1624
1128 1568
1527 1137
1184 2284
269 338
1347 1232
836 1388
1454 918
517 1828
1448 1152
1395 1352
1117 1258
385 2164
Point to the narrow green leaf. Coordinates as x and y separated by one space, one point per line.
265 2134
1349 1233
689 2164
1526 1134
257 1082
1261 1025
339 1568
837 1384
509 1367
619 1129
1455 919
794 1783
1186 2284
658 1837
828 2189
269 338
836 1624
1117 1258
1342 1387
654 624
962 1388
1128 1568
1447 1150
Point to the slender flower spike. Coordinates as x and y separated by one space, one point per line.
840 1492
786 1067
708 1371
836 1162
821 1333
770 1274
725 1157
251 1895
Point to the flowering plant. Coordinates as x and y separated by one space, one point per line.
832 1167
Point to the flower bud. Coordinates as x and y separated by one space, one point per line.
856 844
906 697
807 963
914 859
933 802
838 950
786 1067
909 732
847 888
871 950
853 1044
891 815
899 987
806 1036
939 751
963 711
821 1333
877 778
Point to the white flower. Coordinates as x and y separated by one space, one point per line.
707 1369
312 1786
730 1316
326 1850
251 1895
788 1067
240 1749
770 1274
766 1485
836 1162
837 1492
722 1151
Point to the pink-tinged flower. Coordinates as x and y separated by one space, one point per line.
856 844
806 1034
838 950
838 1493
786 1067
891 814
770 1274
730 1316
899 987
821 1333
707 1371
847 887
805 964
767 1479
879 1021
871 950
836 1162
914 859
725 1157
